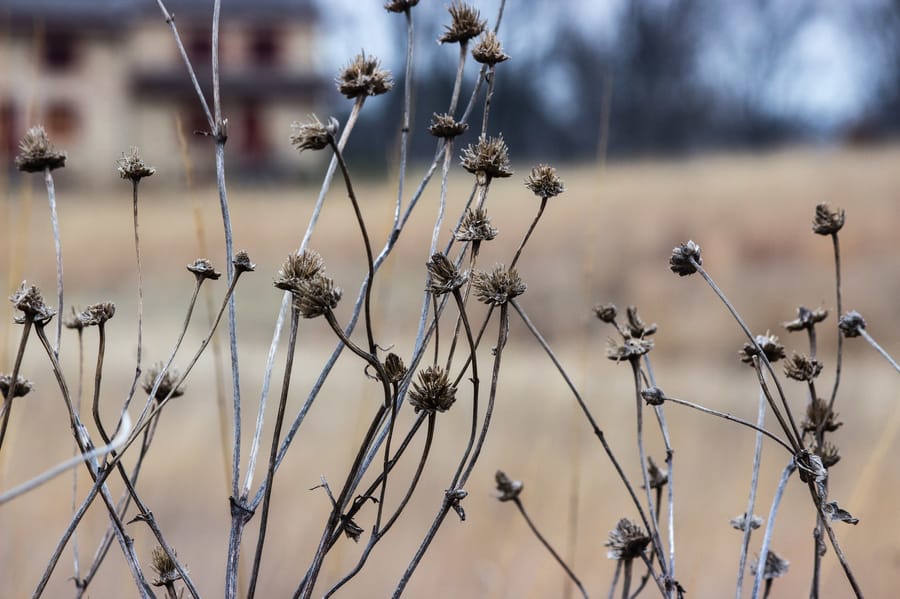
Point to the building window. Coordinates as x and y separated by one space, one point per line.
253 144
264 47
61 120
199 47
60 51
8 137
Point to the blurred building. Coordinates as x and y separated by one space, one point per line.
102 75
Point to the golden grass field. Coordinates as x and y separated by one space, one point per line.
607 239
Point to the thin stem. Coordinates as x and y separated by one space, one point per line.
529 232
751 499
731 418
14 380
276 434
54 222
865 335
626 583
473 359
770 527
407 114
840 310
98 374
549 548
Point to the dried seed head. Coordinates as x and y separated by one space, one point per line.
654 396
489 157
606 312
432 392
313 134
203 269
828 453
636 326
827 221
445 277
627 349
299 267
22 387
37 153
851 324
836 512
741 522
363 77
775 567
544 182
475 226
242 263
166 384
400 5
352 529
445 126
498 286
31 303
801 367
131 166
164 566
72 321
626 541
466 24
488 50
769 345
508 489
315 296
657 478
394 368
806 319
680 260
819 417
97 314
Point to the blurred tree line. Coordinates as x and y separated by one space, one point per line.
666 77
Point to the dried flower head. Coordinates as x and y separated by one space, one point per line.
774 567
315 296
657 478
827 221
97 314
801 367
475 226
498 286
806 319
363 77
400 5
741 522
654 396
30 302
432 392
131 166
394 368
22 387
819 417
164 566
627 349
488 50
166 383
351 529
313 134
682 255
771 348
851 324
37 153
636 326
445 126
299 267
544 182
466 23
488 158
203 269
509 489
626 541
606 312
445 276
828 453
242 263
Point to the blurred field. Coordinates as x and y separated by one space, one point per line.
607 239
